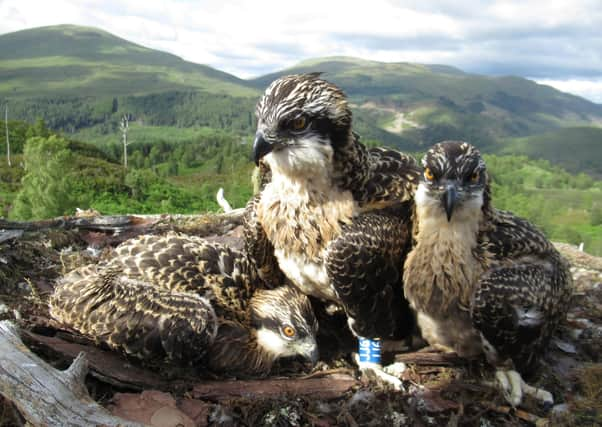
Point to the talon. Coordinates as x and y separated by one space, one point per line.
394 382
544 396
377 372
395 369
514 388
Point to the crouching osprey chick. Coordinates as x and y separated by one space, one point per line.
480 279
183 300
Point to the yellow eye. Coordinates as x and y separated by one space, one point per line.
288 331
299 123
475 176
428 174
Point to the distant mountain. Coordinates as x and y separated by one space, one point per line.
79 78
82 61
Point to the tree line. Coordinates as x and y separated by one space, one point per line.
69 114
53 174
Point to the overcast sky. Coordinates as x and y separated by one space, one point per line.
551 41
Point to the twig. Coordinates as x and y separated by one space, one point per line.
523 415
327 372
431 359
116 223
326 388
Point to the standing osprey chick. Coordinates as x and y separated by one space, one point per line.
480 279
183 300
334 216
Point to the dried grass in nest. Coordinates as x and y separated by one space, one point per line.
588 407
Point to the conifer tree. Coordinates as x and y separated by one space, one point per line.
47 187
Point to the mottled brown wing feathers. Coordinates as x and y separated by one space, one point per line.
191 264
129 315
160 297
516 311
385 177
393 176
365 266
507 236
259 248
518 304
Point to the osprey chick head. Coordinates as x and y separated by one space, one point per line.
285 323
300 119
454 182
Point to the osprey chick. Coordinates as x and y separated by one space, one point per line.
480 279
184 300
334 216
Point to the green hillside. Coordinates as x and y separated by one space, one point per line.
69 60
567 207
577 149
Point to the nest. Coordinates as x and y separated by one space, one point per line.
439 389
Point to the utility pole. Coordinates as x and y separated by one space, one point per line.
7 139
125 124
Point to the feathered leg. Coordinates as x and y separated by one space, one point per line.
364 266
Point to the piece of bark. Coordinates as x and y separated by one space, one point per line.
6 235
198 410
113 369
324 388
107 366
44 395
121 223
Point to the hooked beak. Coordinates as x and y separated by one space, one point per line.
260 147
310 352
450 196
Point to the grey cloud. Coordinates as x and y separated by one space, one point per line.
453 8
284 49
396 43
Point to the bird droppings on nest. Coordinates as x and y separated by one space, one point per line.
221 416
439 394
289 414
